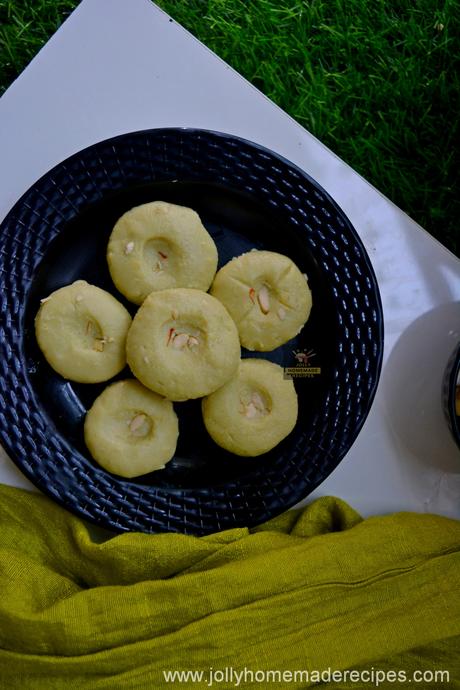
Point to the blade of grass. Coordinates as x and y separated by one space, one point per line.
377 82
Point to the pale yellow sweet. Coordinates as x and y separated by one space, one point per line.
266 295
81 330
131 431
253 411
182 344
157 246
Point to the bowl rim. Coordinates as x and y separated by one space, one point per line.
453 372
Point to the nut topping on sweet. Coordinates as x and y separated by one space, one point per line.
255 407
139 425
181 340
263 297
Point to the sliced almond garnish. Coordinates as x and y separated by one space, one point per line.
129 246
254 408
192 342
180 341
263 297
161 261
251 411
257 401
145 359
170 335
281 314
174 314
45 299
252 295
137 422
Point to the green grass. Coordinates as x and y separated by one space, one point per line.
377 81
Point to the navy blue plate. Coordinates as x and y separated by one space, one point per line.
247 196
451 383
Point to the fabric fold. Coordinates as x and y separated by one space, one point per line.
315 588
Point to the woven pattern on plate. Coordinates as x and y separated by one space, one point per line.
170 154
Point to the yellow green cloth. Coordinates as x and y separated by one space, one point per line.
314 590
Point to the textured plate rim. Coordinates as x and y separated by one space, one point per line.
27 470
